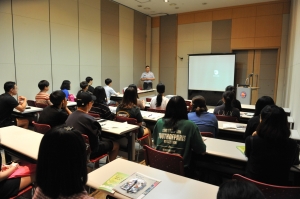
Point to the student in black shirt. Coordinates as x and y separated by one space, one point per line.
227 109
270 151
89 80
7 105
100 106
54 115
254 121
235 103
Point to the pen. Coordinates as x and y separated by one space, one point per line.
149 115
131 185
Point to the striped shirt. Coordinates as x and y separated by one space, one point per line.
42 98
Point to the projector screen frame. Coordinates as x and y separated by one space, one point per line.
211 54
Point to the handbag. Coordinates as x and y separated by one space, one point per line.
26 169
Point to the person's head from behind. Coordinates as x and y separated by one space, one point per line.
89 80
99 93
199 104
160 88
43 85
135 88
176 110
147 68
10 87
261 103
66 84
84 85
57 98
85 101
227 98
229 88
234 189
274 124
61 167
129 98
108 81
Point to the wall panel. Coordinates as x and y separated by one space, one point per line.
155 53
221 34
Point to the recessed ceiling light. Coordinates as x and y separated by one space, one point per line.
176 7
173 4
204 3
166 1
140 6
146 8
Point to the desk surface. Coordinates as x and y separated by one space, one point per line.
150 116
171 185
252 107
23 141
32 109
117 127
139 92
72 103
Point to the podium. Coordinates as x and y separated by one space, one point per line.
244 93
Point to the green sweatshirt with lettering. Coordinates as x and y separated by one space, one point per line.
181 141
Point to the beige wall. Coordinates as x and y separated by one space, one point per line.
70 39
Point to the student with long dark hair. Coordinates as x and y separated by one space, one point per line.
139 103
235 103
206 122
100 105
254 121
65 87
270 151
159 101
227 109
174 133
128 108
61 167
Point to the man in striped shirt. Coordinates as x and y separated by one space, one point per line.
43 97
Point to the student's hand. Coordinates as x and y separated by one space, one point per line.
21 98
5 167
254 133
65 103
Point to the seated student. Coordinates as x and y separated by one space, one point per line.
227 109
84 87
128 108
206 122
89 80
100 105
235 103
61 166
87 125
110 91
7 105
43 97
53 115
175 124
270 151
11 187
65 87
159 101
254 121
234 189
140 103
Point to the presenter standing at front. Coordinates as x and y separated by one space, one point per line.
147 77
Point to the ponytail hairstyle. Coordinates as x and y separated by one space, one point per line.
228 96
160 89
199 105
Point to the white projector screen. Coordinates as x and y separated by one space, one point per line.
211 72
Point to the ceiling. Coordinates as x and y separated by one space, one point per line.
155 8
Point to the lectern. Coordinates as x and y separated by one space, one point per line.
244 93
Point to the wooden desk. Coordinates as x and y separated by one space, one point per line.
122 129
171 186
32 109
251 108
21 142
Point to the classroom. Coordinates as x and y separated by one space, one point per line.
58 40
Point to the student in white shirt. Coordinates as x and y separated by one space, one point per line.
110 91
159 101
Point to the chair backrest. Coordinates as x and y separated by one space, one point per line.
31 103
272 191
88 147
172 163
207 134
126 119
226 118
156 110
148 99
95 115
41 128
41 105
23 191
